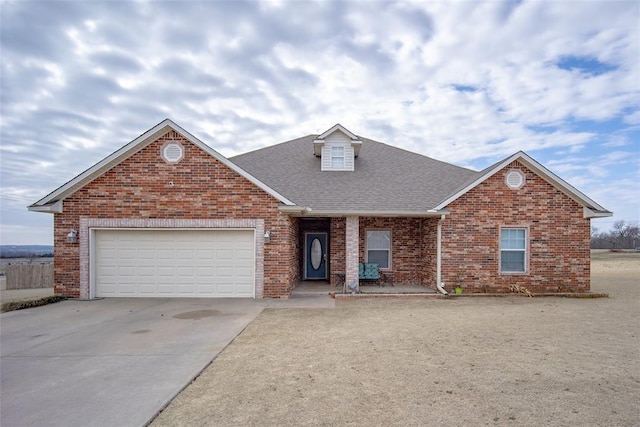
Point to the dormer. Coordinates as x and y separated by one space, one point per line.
337 149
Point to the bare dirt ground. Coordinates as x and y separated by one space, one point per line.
460 362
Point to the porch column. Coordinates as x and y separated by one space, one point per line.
352 237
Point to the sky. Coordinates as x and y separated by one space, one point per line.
465 82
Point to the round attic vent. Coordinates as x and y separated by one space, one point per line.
514 179
172 152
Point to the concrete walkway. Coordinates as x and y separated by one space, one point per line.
115 361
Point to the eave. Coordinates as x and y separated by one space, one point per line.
55 207
299 211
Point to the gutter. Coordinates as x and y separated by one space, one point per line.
439 284
301 211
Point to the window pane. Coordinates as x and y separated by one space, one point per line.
337 162
512 238
512 261
378 239
379 257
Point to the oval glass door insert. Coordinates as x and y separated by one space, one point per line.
316 253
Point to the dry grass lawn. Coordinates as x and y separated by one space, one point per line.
467 361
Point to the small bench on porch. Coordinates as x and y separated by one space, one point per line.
371 272
367 272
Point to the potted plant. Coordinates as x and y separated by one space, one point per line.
458 288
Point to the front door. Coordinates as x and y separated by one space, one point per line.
315 256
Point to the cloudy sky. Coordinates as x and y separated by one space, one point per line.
464 82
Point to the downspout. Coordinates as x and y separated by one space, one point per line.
439 284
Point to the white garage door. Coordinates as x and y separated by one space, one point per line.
174 263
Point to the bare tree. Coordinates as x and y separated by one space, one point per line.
623 235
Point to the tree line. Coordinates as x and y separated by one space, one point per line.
623 235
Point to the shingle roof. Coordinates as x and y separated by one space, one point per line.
385 178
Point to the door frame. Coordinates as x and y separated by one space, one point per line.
305 255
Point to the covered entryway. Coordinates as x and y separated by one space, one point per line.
173 263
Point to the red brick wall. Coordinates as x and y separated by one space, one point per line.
407 253
413 247
558 237
203 188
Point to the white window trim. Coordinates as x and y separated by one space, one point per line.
343 156
366 247
527 251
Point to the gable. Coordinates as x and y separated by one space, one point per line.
499 197
53 202
591 209
148 186
337 148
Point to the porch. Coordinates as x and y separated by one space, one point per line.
330 251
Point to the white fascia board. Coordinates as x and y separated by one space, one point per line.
105 164
133 147
560 184
341 128
318 143
590 213
540 170
293 210
53 208
362 213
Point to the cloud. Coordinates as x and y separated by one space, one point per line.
465 82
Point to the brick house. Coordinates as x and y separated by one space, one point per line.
166 215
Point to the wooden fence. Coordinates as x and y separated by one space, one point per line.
28 276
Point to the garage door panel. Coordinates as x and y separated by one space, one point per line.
206 289
146 271
165 254
206 271
185 271
174 263
205 255
146 253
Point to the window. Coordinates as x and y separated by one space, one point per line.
513 249
379 247
337 157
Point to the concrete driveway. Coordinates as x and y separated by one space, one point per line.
112 361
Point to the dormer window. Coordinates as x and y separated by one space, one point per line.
337 149
337 157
